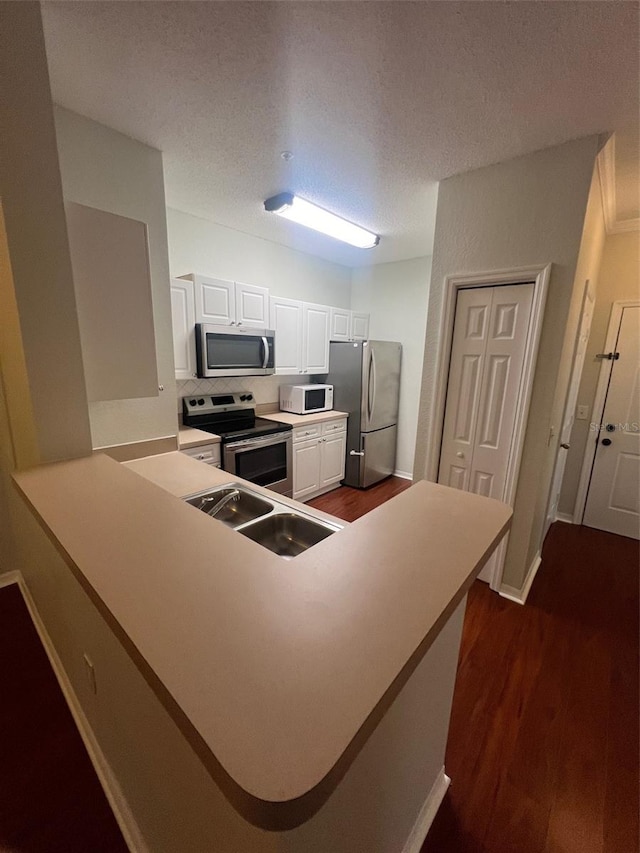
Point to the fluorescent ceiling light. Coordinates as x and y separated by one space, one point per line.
305 213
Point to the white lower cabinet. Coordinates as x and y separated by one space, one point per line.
332 458
306 468
318 458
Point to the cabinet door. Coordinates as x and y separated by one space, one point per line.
332 459
286 321
306 467
215 300
252 305
359 326
183 318
316 338
340 324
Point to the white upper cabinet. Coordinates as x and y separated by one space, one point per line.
340 324
229 303
252 305
316 320
359 326
302 336
215 300
183 315
286 320
349 325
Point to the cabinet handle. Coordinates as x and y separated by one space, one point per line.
356 453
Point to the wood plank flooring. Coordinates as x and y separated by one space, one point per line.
50 797
543 744
349 504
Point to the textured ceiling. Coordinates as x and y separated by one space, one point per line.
377 100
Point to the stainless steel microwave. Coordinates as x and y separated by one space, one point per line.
229 351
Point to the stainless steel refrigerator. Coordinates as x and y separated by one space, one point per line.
366 380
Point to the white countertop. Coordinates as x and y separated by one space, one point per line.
302 420
273 666
191 437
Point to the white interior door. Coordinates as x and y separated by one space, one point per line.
487 355
614 491
570 406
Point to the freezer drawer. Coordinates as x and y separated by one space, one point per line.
373 458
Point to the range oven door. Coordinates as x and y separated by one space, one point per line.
266 461
229 351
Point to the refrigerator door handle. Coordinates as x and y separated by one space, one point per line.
371 386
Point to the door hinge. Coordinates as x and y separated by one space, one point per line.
611 356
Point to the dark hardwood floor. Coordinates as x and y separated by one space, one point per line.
50 797
349 504
543 744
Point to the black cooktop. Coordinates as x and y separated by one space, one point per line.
239 429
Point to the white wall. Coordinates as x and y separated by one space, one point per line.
104 169
396 296
527 211
198 245
618 279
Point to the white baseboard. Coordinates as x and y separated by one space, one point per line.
404 474
427 813
566 517
113 792
520 595
7 578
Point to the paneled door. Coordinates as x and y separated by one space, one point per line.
613 501
487 357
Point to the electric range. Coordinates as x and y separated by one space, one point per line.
256 449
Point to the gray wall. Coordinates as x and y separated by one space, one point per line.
396 295
104 169
618 279
523 212
199 245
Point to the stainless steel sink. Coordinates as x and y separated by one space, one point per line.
239 509
287 533
272 524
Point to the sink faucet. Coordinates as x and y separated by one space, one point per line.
219 504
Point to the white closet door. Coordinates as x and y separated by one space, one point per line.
470 329
613 502
504 357
487 355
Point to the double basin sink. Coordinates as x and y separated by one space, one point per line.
272 524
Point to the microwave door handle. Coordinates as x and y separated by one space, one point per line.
265 344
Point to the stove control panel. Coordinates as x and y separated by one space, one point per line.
212 404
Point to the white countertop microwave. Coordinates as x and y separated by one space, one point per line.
306 399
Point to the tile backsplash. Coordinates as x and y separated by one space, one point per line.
264 388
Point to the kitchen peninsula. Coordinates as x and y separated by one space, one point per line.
314 692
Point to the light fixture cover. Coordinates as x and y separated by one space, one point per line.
306 213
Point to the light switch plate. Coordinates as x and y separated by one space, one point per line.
582 413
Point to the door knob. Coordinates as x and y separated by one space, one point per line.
460 454
565 445
606 442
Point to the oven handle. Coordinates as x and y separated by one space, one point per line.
265 344
276 438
